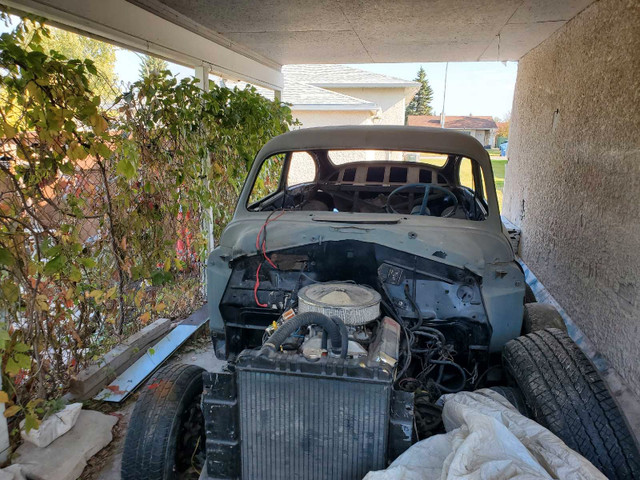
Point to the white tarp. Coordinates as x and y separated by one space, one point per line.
487 438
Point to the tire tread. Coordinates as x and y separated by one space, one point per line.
154 420
566 394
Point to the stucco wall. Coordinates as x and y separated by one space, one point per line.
573 176
323 118
392 105
390 100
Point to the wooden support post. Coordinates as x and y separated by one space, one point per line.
202 75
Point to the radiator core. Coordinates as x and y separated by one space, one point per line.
311 426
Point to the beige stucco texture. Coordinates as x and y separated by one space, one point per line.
573 176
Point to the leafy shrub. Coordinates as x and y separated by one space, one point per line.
104 213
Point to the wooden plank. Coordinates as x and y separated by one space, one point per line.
155 356
92 379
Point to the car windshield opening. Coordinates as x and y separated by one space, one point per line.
371 181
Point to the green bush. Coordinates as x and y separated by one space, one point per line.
102 212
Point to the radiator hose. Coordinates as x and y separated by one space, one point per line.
335 328
344 337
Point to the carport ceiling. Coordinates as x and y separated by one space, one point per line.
364 31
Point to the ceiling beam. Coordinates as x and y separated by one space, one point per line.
124 24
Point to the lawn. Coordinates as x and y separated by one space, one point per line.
498 174
497 162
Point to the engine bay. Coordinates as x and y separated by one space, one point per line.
429 317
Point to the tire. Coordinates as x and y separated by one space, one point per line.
515 398
166 426
538 316
529 296
565 394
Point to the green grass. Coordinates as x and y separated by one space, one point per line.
498 176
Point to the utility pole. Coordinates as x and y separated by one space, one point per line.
444 97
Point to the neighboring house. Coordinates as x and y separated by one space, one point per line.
340 95
481 128
329 95
325 95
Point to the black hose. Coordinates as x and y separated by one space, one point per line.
344 336
303 320
418 312
444 363
433 337
394 314
431 332
407 361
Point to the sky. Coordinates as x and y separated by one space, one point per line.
478 88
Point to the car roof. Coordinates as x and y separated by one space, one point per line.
379 137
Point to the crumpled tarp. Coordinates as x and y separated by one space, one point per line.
487 438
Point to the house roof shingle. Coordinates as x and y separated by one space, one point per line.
341 76
303 87
300 94
453 121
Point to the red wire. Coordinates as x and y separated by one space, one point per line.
267 222
255 288
263 247
264 254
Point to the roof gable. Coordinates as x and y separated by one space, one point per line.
302 95
303 87
342 76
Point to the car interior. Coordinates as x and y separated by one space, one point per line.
366 181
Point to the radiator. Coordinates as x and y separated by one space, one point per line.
282 417
311 427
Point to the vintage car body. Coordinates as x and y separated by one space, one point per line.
478 247
347 303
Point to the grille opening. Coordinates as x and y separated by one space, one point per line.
375 174
397 175
425 176
349 175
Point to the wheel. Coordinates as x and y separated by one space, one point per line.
529 296
565 394
538 316
165 438
514 396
